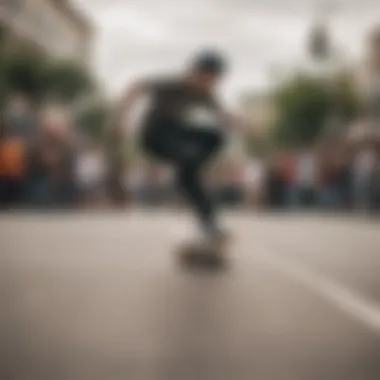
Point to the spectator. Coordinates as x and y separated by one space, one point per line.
50 169
11 171
254 178
303 190
18 127
230 189
363 175
331 172
90 174
279 180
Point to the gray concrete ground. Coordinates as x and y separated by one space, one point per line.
100 296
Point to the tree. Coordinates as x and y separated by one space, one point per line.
67 81
93 120
24 72
41 78
345 97
303 105
3 35
3 85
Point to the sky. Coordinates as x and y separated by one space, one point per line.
136 38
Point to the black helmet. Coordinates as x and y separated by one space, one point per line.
210 61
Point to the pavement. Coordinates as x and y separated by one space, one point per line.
100 296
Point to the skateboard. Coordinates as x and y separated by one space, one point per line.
196 254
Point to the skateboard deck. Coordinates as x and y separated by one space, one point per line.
198 254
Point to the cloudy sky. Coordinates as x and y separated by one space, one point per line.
137 37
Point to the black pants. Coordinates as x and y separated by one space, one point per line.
188 149
11 192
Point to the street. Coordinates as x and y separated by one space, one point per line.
100 296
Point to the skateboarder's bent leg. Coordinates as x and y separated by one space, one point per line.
189 149
189 177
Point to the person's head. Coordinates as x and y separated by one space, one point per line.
206 69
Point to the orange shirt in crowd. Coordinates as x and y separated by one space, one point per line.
12 160
285 167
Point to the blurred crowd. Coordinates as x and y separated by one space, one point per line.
333 175
45 164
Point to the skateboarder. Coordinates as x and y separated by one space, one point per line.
185 126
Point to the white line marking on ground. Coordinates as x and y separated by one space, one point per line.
350 302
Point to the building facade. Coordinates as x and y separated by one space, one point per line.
54 27
372 90
368 84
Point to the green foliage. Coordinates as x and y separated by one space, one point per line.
93 121
3 86
67 81
304 105
24 73
345 96
3 33
40 77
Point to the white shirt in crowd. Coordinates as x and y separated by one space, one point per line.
306 170
91 168
254 175
365 163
